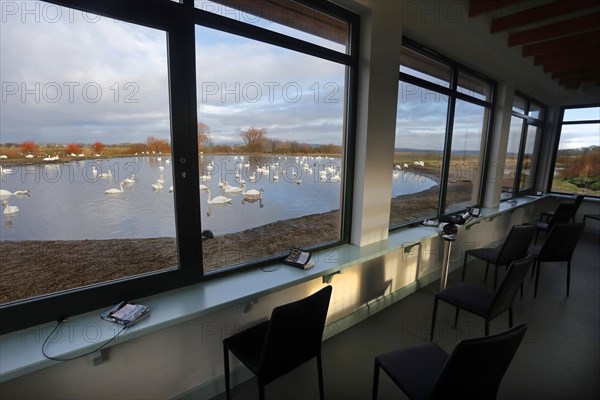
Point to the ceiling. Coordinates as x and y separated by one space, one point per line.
560 37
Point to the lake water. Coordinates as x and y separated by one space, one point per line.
68 202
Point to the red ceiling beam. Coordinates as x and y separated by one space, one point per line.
569 42
568 27
574 73
480 7
539 13
567 55
593 61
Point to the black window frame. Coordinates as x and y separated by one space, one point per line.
527 121
557 143
178 20
453 95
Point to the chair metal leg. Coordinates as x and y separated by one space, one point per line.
375 380
537 279
487 266
495 276
320 372
435 305
261 391
226 370
464 271
568 276
456 317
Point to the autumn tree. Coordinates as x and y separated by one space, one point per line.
73 148
254 139
203 136
28 147
157 145
98 147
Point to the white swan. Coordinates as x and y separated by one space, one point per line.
8 209
157 186
106 174
5 170
6 193
217 200
171 189
203 187
232 189
130 180
252 193
161 179
115 191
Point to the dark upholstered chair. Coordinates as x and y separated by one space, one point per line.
558 247
291 337
514 248
474 370
562 215
546 215
481 302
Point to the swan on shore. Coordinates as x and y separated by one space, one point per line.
115 191
8 209
217 200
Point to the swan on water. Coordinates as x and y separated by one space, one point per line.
115 191
8 209
217 200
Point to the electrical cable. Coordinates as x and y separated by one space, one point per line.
79 356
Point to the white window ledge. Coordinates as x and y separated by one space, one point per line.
21 351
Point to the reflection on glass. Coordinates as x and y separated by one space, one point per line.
577 168
474 87
419 145
273 130
527 173
425 68
286 17
85 134
470 124
512 155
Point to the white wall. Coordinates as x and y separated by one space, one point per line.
188 356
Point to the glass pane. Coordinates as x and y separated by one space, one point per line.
419 147
86 132
272 138
536 111
527 176
423 67
470 126
582 114
286 17
577 168
519 104
512 155
474 87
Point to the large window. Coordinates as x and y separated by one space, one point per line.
147 146
577 160
524 138
442 123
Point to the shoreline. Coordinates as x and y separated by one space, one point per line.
35 268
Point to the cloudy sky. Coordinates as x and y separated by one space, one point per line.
68 77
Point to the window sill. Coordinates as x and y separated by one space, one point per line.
21 350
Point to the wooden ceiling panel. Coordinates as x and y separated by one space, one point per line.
563 36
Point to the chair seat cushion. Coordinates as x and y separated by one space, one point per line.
247 345
414 369
467 297
488 254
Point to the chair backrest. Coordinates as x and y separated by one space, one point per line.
294 335
509 286
563 214
476 367
516 244
561 242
